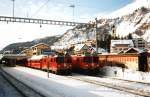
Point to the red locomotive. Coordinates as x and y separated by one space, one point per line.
85 64
60 64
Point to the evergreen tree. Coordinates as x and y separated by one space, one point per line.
129 36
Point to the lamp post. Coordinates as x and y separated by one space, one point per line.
13 6
96 35
72 6
48 65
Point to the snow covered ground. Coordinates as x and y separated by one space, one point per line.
117 82
127 74
61 86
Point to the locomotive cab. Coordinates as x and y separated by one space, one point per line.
85 64
60 64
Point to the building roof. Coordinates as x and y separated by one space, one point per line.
15 56
133 50
78 47
58 47
100 50
40 44
35 57
28 49
122 42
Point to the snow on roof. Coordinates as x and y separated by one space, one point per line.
135 49
28 49
100 50
131 50
79 47
129 42
37 57
40 44
135 35
109 53
58 47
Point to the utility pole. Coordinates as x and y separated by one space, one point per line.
96 35
13 6
72 6
48 66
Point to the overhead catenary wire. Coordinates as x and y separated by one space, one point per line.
37 11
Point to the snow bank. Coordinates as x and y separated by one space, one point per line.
126 74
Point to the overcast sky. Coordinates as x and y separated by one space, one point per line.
84 11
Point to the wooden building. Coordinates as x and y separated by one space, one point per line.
81 48
37 49
133 61
119 45
27 52
40 48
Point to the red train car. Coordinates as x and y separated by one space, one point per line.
60 64
39 62
85 64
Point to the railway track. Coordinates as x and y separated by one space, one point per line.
125 86
146 83
21 88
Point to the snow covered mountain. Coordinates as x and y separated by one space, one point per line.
133 18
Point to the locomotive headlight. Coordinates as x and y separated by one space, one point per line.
70 65
65 65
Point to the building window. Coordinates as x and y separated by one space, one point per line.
34 53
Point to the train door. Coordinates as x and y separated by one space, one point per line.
51 63
44 63
148 62
143 62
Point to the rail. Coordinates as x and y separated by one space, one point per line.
113 86
23 89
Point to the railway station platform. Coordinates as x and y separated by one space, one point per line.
61 86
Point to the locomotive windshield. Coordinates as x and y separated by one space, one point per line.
87 59
60 59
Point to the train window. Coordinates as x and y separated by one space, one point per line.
60 59
87 59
